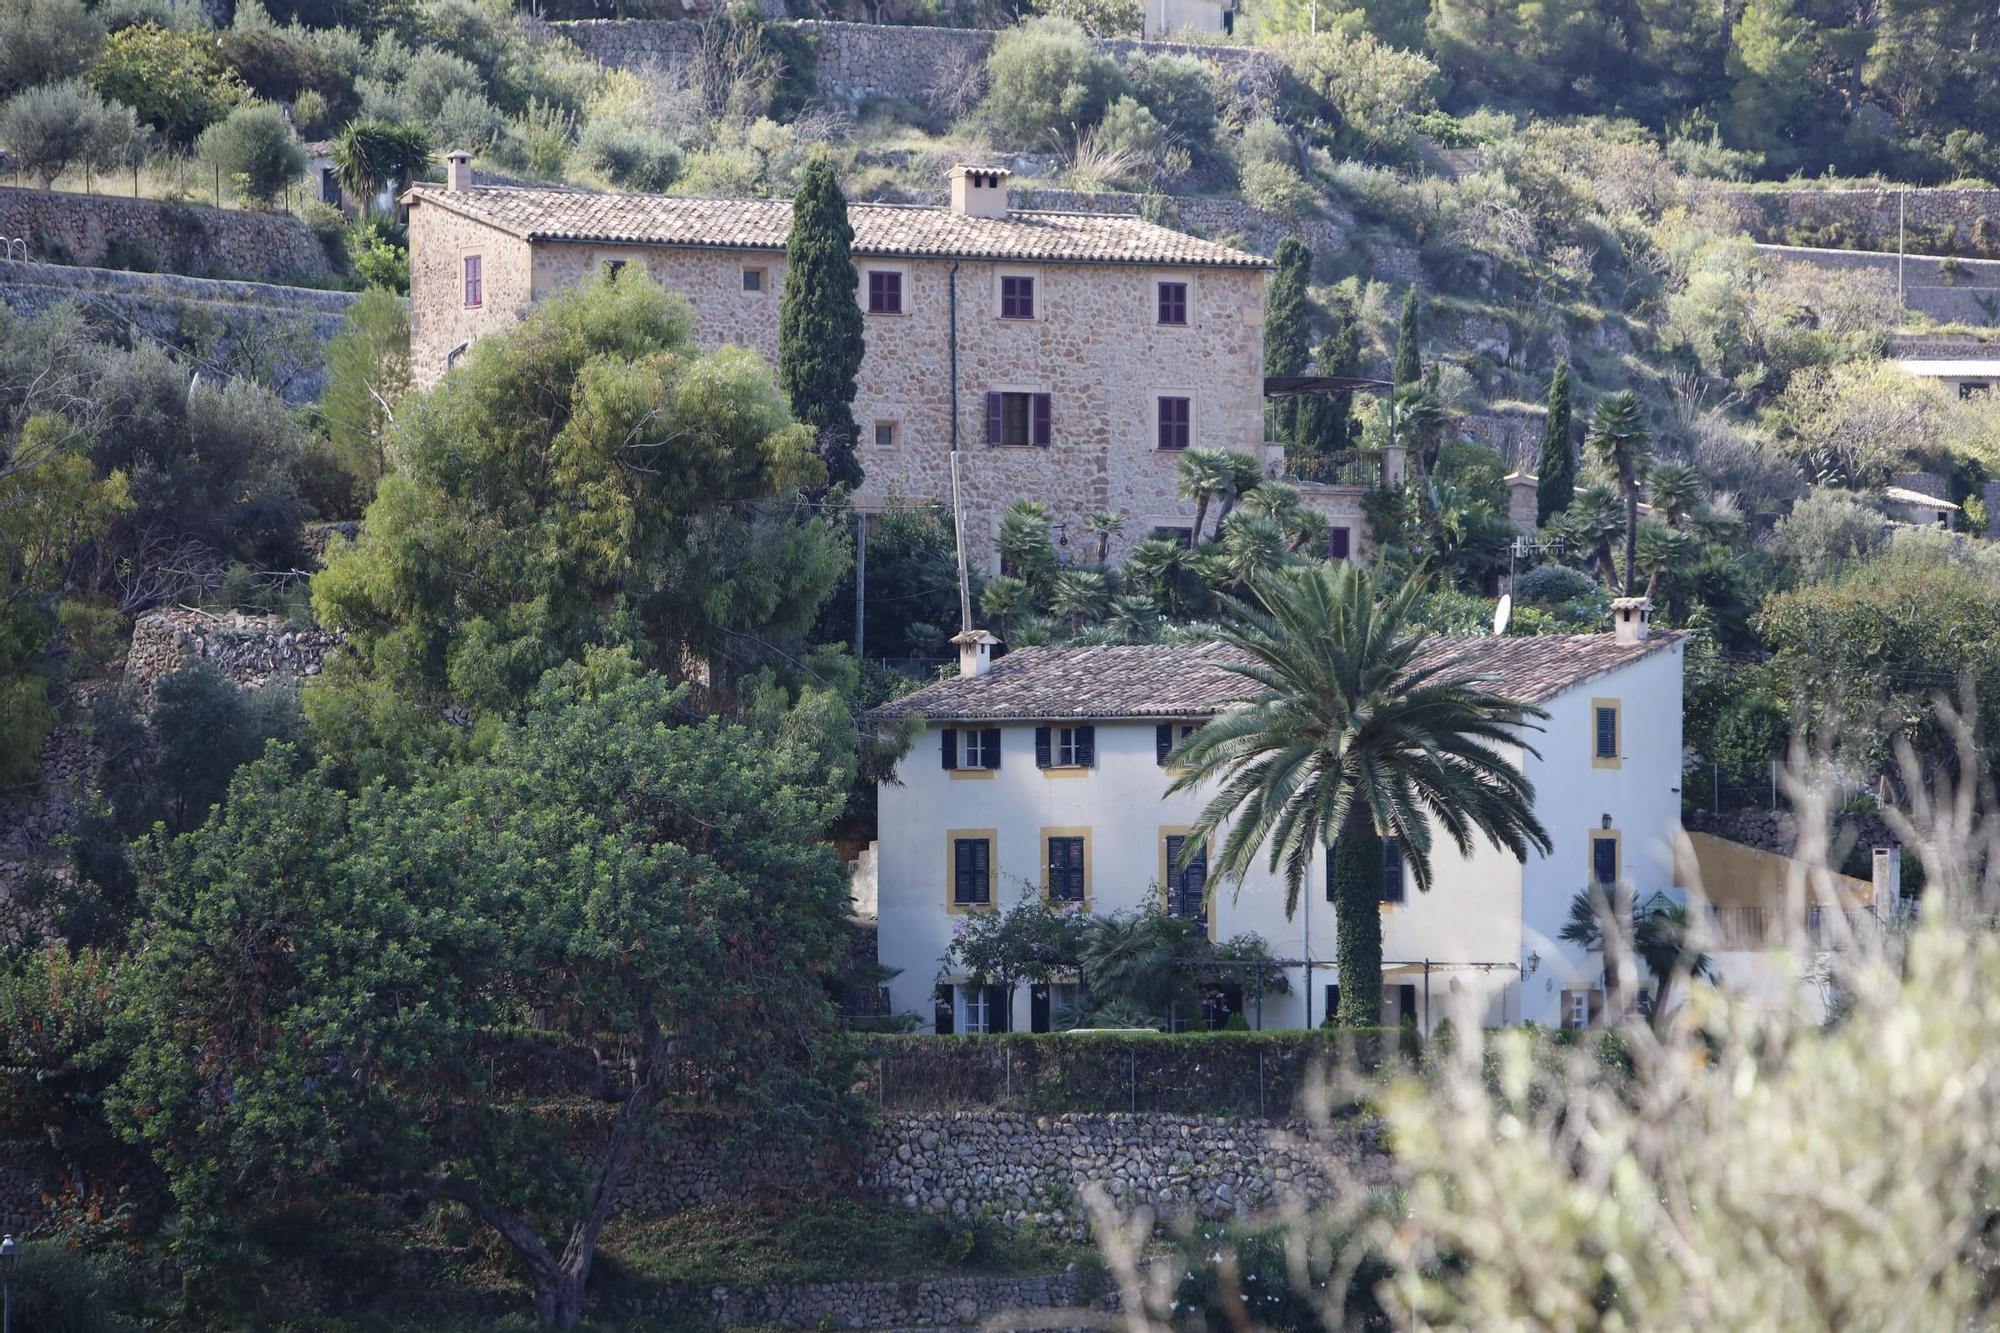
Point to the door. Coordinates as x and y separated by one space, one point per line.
1038 1008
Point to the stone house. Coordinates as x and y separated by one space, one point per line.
1045 772
1071 357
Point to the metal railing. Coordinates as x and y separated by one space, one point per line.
1353 467
1758 929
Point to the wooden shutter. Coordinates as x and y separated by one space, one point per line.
1041 747
1042 419
1604 860
1329 880
1086 747
1392 871
1163 741
1332 1002
989 746
950 735
943 1021
972 867
1607 733
1175 842
993 418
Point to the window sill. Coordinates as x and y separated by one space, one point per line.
1608 763
1017 446
965 909
886 314
1171 448
1066 771
971 774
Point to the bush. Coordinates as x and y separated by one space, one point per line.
1178 90
313 115
1276 188
1047 83
280 69
1130 128
1550 584
42 41
432 76
1377 90
380 256
255 147
175 81
60 125
628 156
1099 18
468 121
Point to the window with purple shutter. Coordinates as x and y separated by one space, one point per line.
475 286
1044 414
1019 418
885 293
1017 298
1176 422
1173 303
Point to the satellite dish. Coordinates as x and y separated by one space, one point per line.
1503 613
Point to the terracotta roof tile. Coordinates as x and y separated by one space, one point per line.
902 230
1194 680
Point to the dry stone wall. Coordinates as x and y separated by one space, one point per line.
1954 291
248 650
1963 221
926 66
923 1303
66 228
274 335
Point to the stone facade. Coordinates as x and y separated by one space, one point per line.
926 66
1953 291
65 228
1095 349
275 335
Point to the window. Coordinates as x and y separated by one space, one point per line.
1604 858
1187 889
1176 422
885 292
1018 418
753 279
1580 1008
1605 735
613 267
1017 298
1181 537
475 285
329 187
1975 389
885 434
1339 543
1173 303
1065 747
1392 871
972 871
985 1008
1066 875
1167 734
971 747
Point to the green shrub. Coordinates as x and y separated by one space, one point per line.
628 156
1276 188
312 114
49 129
1046 83
1099 18
467 120
1130 130
1548 584
175 81
433 75
255 147
42 41
1178 90
380 255
280 68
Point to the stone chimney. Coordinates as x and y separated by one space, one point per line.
1887 881
975 653
1631 618
1521 500
979 192
458 174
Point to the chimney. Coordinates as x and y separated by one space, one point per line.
975 653
1887 882
979 192
458 176
1631 618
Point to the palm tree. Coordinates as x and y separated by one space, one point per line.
1618 437
1078 595
1002 599
1664 553
1416 421
1251 545
1664 941
369 154
1676 490
1590 911
1105 524
1590 525
1026 550
1245 475
1346 741
1163 569
1202 474
1133 617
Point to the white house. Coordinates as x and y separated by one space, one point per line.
1043 771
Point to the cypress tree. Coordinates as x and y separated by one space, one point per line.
1556 486
1326 421
819 323
1288 326
1409 364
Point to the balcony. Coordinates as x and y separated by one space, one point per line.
1351 467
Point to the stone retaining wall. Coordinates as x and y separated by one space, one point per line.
1955 291
921 1303
925 66
1871 219
272 334
66 228
248 650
